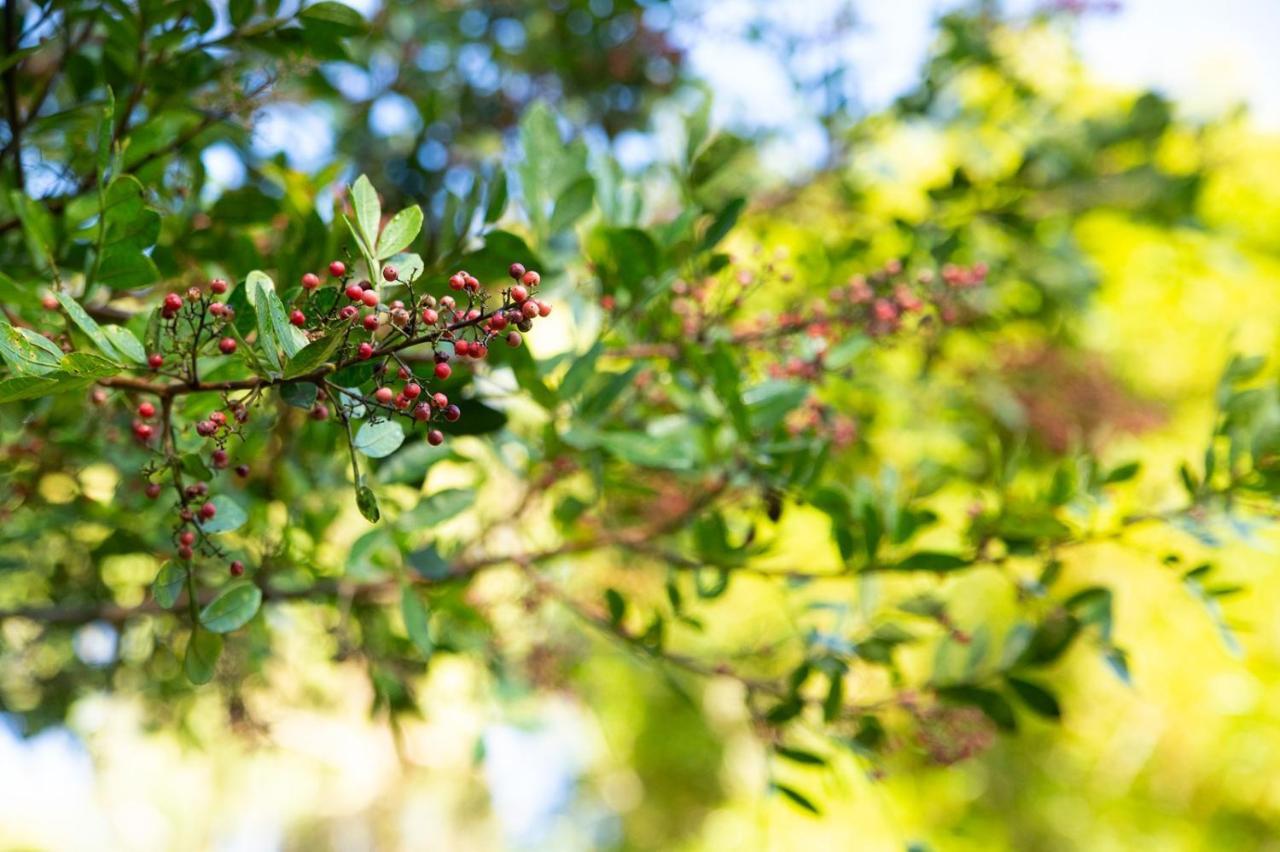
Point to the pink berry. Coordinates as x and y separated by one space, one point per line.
337 269
310 281
208 510
218 286
383 395
364 351
227 345
531 279
369 297
443 370
519 294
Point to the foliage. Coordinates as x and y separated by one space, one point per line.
859 410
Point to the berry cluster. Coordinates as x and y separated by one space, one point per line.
362 326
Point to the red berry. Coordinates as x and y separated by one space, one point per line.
143 431
364 351
185 552
531 279
152 490
497 322
479 350
187 538
461 348
412 390
217 308
452 413
220 459
607 302
208 510
439 399
218 286
49 302
422 412
544 309
242 470
529 309
348 312
355 292
435 437
237 568
172 302
227 345
519 294
319 412
371 322
516 270
154 361
369 297
337 269
390 273
457 280
443 370
298 318
146 411
310 281
430 317
383 395
471 283
218 418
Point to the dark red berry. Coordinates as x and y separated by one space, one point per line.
208 510
452 413
320 412
435 437
390 273
242 470
143 431
237 568
187 537
152 490
461 348
516 271
184 552
227 345
422 412
217 418
220 459
172 302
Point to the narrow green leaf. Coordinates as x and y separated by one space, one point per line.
1037 698
368 212
933 561
86 323
125 343
232 608
796 798
796 755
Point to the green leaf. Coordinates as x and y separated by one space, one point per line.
428 563
497 200
88 365
203 650
274 328
724 377
299 394
616 604
1037 698
796 797
437 509
367 503
86 323
106 131
723 223
232 608
125 343
25 354
801 756
368 212
168 584
343 20
991 703
572 204
400 232
310 357
379 438
229 517
929 560
1123 473
416 621
33 387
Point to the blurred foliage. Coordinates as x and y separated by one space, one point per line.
941 458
